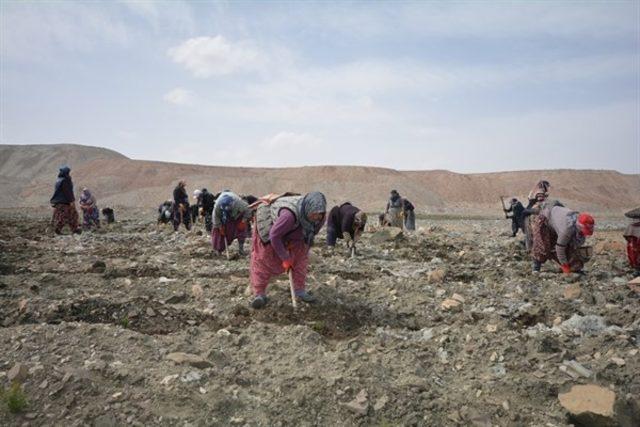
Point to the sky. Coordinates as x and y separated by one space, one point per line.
468 86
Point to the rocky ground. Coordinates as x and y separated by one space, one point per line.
445 326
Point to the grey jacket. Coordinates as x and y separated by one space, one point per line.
563 221
239 208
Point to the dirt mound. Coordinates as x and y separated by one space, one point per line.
27 174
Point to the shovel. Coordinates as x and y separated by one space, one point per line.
503 208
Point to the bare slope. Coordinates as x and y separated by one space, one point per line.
27 174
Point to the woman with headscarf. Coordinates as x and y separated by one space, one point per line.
231 215
345 222
558 234
539 193
63 203
632 236
409 215
395 209
90 213
181 211
537 196
285 230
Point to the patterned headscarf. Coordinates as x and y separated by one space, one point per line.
225 206
86 197
313 202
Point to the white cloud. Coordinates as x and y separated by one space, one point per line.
290 140
33 32
179 96
215 56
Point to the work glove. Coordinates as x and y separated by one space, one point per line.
287 265
566 268
242 226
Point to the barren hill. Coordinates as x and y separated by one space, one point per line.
27 174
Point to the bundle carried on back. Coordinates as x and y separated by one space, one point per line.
267 209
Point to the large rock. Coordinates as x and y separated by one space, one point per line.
451 304
189 359
572 291
178 298
590 405
359 405
387 234
18 372
436 276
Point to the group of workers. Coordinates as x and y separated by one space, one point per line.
64 209
287 224
555 232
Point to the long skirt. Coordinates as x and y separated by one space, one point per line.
394 217
632 235
65 214
527 229
208 221
232 230
265 263
90 217
181 216
410 220
544 245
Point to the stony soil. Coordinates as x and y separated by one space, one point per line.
92 319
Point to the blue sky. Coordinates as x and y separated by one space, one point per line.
472 86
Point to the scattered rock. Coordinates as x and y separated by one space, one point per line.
176 299
436 276
572 291
575 369
451 304
458 297
585 325
380 403
168 379
191 376
197 292
359 405
618 361
189 359
98 267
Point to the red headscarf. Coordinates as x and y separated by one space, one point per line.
586 224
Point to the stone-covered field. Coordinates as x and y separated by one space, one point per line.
138 325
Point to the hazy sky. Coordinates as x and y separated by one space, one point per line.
467 86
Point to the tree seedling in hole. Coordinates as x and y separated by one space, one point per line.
14 398
124 322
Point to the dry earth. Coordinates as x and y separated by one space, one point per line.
27 175
90 324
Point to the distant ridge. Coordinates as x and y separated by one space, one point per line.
28 172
